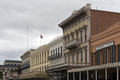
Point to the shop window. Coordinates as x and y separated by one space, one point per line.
97 57
114 53
106 56
118 53
91 59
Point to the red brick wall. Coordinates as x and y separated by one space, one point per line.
101 20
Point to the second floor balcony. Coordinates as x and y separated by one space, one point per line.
72 44
54 56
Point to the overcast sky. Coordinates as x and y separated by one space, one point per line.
41 17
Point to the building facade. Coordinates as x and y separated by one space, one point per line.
77 30
56 58
10 65
104 57
39 62
25 68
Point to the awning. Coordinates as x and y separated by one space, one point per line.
103 66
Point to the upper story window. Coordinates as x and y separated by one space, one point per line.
61 50
85 55
56 52
72 35
68 38
51 52
76 34
81 56
81 38
77 57
73 58
85 29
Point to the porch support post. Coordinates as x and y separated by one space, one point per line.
73 76
96 74
59 74
105 73
87 75
117 73
79 75
67 76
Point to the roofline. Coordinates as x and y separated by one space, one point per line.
80 11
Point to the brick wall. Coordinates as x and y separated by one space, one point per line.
101 20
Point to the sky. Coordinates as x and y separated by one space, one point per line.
34 17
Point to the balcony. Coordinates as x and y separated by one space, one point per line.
26 65
73 44
35 74
67 65
54 56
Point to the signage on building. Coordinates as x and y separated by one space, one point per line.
104 45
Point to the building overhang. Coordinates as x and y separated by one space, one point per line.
64 66
103 66
30 75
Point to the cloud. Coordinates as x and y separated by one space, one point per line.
41 17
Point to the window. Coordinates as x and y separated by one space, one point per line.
81 36
45 56
72 35
56 51
85 34
91 59
77 35
65 57
40 58
68 58
51 53
68 39
85 55
73 58
81 56
77 57
115 53
61 50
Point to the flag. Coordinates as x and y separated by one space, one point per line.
41 36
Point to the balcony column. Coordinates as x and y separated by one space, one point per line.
73 76
67 76
117 73
105 73
95 74
59 74
52 75
87 75
79 75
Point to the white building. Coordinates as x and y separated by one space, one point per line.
56 57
